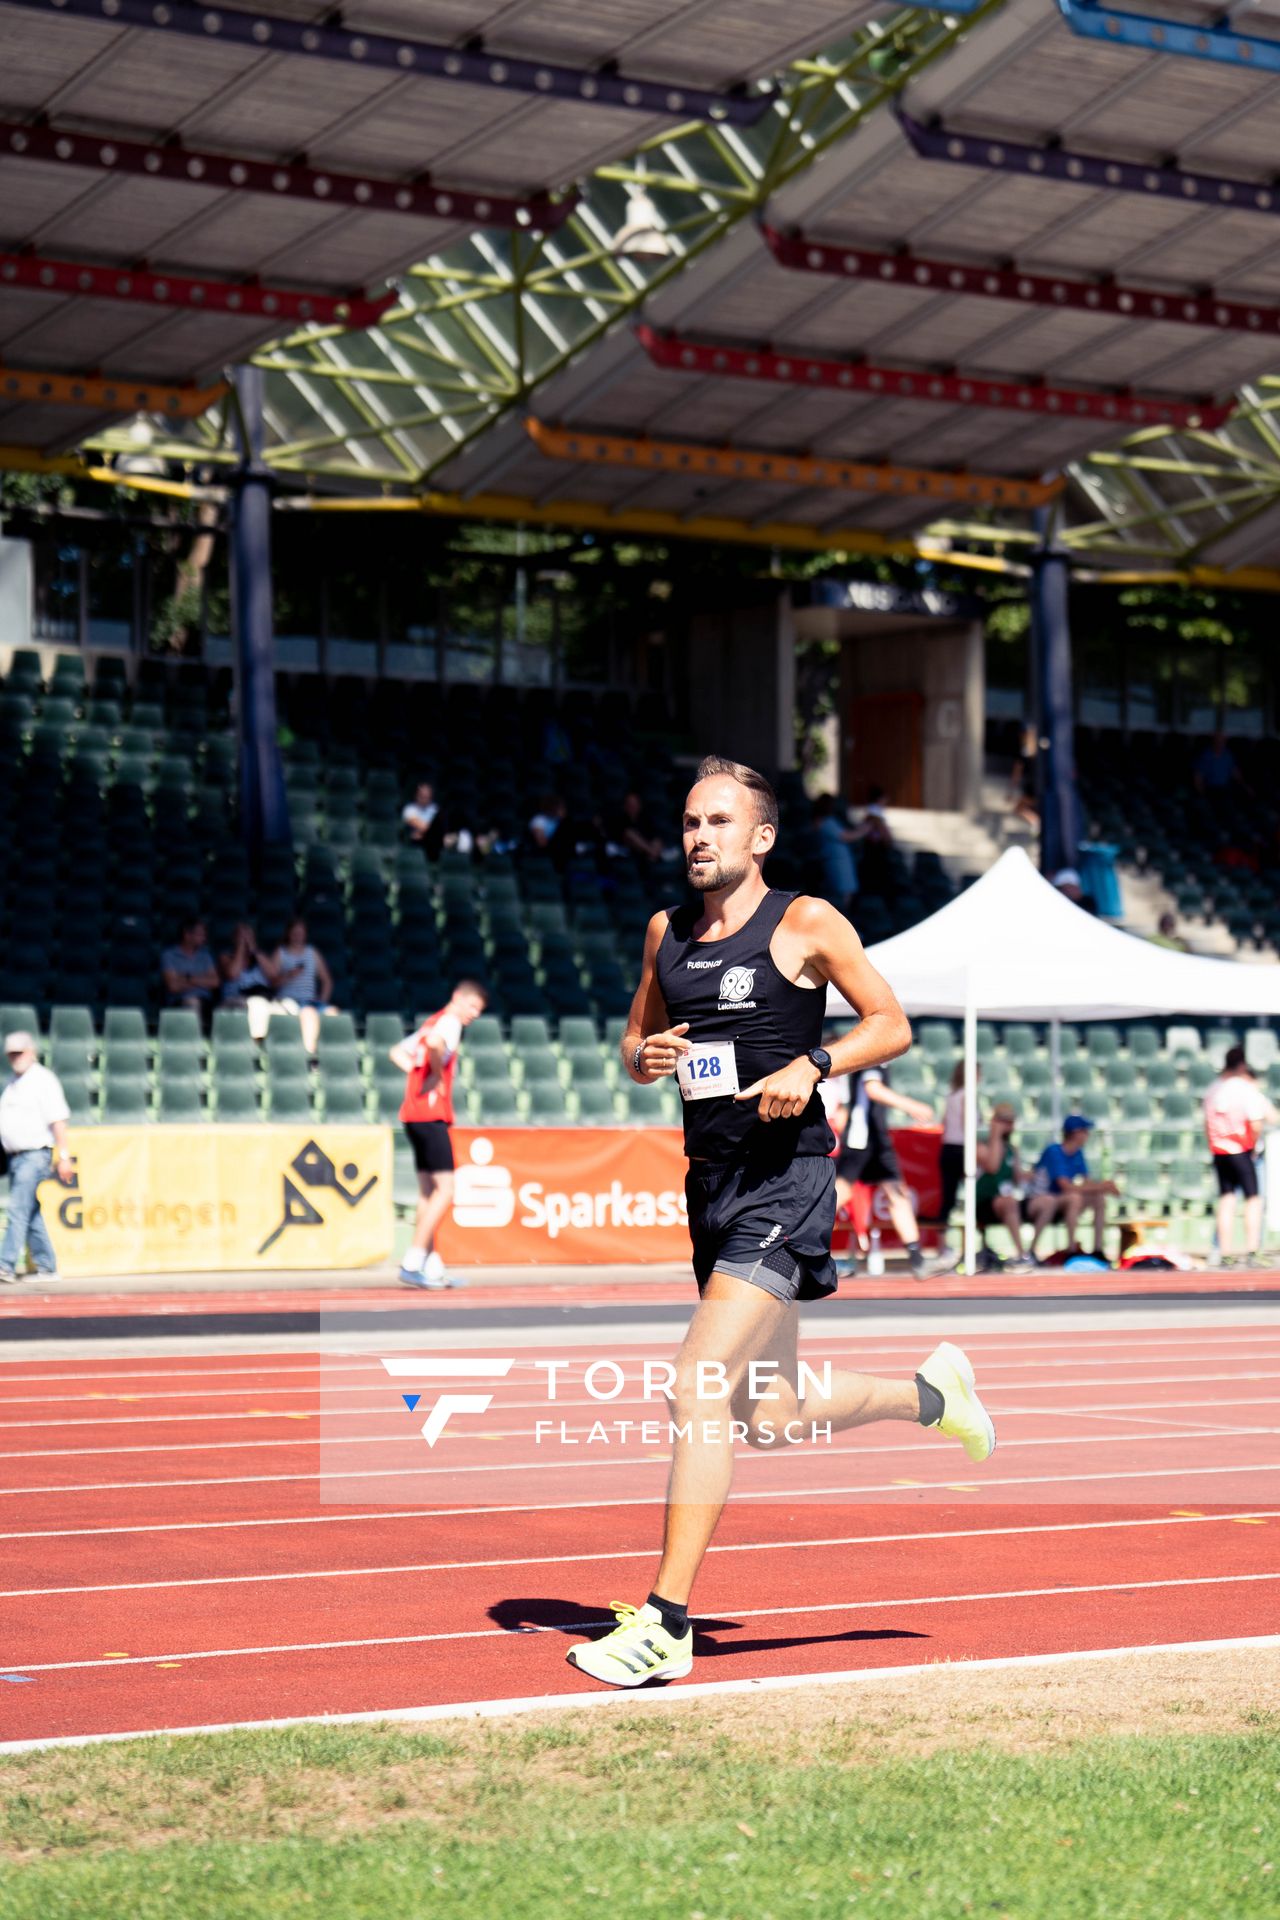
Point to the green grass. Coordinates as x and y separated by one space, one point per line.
665 1817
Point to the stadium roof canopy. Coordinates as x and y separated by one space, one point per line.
224 165
902 292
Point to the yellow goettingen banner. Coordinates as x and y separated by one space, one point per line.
167 1199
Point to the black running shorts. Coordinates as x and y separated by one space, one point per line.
872 1165
1237 1173
432 1147
770 1226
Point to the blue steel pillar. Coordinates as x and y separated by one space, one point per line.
264 811
1056 760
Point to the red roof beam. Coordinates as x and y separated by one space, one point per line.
683 354
105 153
1206 309
202 295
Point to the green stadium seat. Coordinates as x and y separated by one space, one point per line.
73 1024
1077 1077
231 1025
595 1103
1171 1143
235 1099
69 1059
1035 1074
498 1103
538 1068
340 1063
388 1099
124 1023
587 1065
338 1031
1146 1184
78 1089
289 1099
938 1037
1191 1179
650 1106
1144 1043
125 1059
1103 1043
179 1024
1178 1106
180 1101
1120 1073
578 1031
382 1031
485 1034
1019 1041
488 1066
1201 1073
1182 1039
284 1034
344 1100
20 1016
529 1030
1162 1074
288 1063
125 1102
547 1104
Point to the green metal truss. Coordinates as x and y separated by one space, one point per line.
482 325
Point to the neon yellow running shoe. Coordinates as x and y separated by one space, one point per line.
639 1648
963 1415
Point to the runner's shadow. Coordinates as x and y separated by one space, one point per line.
570 1616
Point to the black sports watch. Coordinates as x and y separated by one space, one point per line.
821 1060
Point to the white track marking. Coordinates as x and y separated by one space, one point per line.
1185 1430
1061 1352
633 1553
580 1626
653 1699
319 1411
766 1493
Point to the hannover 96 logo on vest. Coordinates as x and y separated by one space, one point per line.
737 985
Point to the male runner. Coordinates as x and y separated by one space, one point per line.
731 1000
429 1058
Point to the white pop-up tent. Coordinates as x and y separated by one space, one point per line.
1011 947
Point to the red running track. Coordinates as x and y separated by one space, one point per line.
168 1559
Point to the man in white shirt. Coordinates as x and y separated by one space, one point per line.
33 1122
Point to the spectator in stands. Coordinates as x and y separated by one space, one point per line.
868 1157
836 839
429 1059
951 1154
630 830
1167 935
1235 1112
1001 1181
305 983
420 817
1062 1178
1215 772
190 977
249 978
546 823
1069 884
33 1121
875 860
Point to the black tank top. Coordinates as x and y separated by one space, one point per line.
731 990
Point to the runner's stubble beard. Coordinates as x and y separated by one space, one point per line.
718 872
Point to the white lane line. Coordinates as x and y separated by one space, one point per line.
1184 1430
636 1553
1060 1352
913 1488
501 1405
578 1626
633 1697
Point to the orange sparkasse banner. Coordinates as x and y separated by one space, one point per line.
561 1196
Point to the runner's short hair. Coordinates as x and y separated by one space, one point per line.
472 986
714 767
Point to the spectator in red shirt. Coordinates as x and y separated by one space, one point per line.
1235 1112
429 1058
